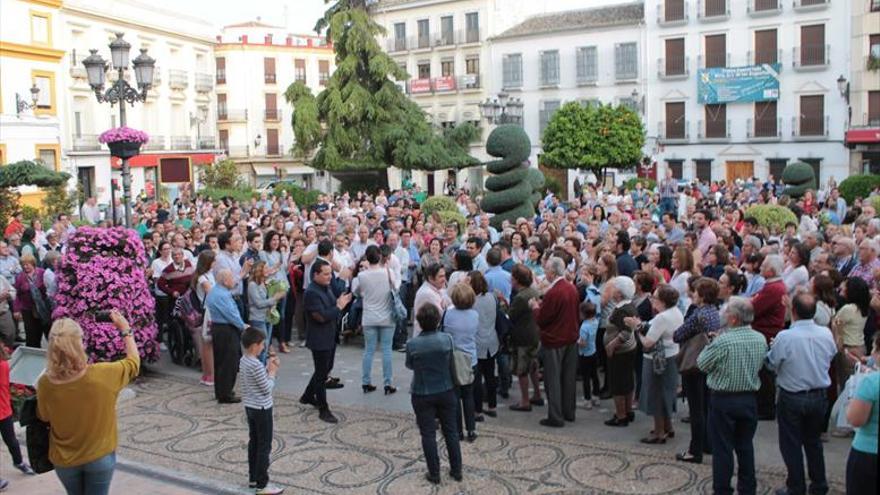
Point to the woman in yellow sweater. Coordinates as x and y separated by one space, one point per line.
78 400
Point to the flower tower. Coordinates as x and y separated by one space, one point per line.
103 269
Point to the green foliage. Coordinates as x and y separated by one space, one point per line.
593 137
438 203
30 173
647 184
369 182
858 186
8 206
772 217
58 200
301 196
29 214
221 175
512 189
875 202
361 120
236 193
553 185
448 217
798 177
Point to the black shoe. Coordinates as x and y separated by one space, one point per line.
455 476
551 423
688 457
479 418
630 416
471 436
400 348
308 402
390 390
686 419
536 402
433 478
491 413
327 417
604 395
570 420
331 385
333 379
615 421
233 399
368 388
504 395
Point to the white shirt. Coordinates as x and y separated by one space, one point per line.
427 293
402 256
795 278
157 266
663 326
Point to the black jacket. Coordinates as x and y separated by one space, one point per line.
321 317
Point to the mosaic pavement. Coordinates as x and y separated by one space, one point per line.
177 425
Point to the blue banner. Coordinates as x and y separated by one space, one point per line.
738 84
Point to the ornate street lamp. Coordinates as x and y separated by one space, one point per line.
502 110
21 104
121 91
843 87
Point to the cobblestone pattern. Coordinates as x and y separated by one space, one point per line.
176 424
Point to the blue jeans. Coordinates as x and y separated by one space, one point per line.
385 336
92 478
801 418
733 420
267 331
667 205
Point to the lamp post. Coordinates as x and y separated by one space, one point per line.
121 92
21 104
502 110
197 120
638 101
843 87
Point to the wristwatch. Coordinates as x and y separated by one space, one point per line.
126 333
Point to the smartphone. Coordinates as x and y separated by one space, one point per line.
103 317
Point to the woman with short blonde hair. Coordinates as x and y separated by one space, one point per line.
79 400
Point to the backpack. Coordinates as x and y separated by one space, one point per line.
189 309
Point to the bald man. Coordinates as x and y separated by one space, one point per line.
226 328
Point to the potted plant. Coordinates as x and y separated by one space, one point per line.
124 142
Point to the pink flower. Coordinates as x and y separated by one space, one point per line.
123 134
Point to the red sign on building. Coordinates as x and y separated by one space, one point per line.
444 83
420 86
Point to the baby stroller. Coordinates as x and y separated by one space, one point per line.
187 314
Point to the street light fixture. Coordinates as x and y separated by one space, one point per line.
21 104
257 141
638 101
121 91
197 120
843 87
502 110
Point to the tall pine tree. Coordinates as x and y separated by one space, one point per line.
362 120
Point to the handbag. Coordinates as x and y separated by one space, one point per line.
37 437
689 351
462 371
41 306
658 358
849 391
398 310
502 324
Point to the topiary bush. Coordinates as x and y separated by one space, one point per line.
648 184
798 177
448 216
772 217
858 186
103 269
302 197
512 193
875 202
438 203
236 193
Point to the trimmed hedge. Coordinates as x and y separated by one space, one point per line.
858 186
772 216
647 183
438 203
875 202
237 193
302 197
448 216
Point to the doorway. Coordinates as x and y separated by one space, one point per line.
86 178
430 176
740 170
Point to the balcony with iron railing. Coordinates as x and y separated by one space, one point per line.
272 114
762 8
713 60
155 143
809 128
804 5
548 80
713 10
468 36
273 150
236 151
713 131
225 114
204 82
77 69
181 142
444 39
626 74
588 78
421 42
323 78
269 77
394 45
872 63
674 67
178 79
469 82
674 132
675 16
764 129
867 120
221 76
85 142
757 57
811 57
206 143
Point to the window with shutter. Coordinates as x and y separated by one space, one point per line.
299 70
512 68
761 5
777 166
675 121
587 64
272 147
704 170
271 106
812 115
675 61
550 68
424 33
716 50
765 119
716 121
873 108
269 70
323 72
676 167
447 31
400 36
765 47
673 10
220 64
812 45
472 27
626 61
548 108
222 111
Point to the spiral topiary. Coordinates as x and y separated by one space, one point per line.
514 188
798 177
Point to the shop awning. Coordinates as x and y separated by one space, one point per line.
863 136
264 170
152 160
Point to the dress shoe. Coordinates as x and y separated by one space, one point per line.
230 400
631 416
615 421
471 436
552 423
390 390
536 402
517 407
327 417
368 388
434 479
688 457
455 476
331 385
308 402
491 413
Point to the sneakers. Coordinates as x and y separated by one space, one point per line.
269 490
586 404
207 381
25 468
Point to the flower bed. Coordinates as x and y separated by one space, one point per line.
101 270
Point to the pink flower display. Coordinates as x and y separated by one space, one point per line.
123 134
103 269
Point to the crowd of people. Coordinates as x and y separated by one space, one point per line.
643 295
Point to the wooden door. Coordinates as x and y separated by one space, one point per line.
740 170
431 188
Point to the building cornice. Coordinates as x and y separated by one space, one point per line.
248 47
398 5
30 52
55 4
82 12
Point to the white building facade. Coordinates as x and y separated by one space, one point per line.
752 137
590 56
862 88
256 62
179 110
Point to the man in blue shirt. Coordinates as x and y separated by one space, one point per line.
801 356
497 278
226 328
507 262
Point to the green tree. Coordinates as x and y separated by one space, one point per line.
58 200
361 120
24 173
221 175
594 138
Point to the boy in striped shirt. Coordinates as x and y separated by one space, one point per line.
257 382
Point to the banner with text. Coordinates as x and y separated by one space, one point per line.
738 84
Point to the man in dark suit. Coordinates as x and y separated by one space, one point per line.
322 310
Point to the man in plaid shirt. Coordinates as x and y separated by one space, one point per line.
731 362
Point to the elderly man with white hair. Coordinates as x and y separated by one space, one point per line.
620 346
731 362
844 249
557 318
769 320
868 262
226 328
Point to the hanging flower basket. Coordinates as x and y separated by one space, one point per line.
124 142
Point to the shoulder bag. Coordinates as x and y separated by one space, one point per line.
398 310
462 371
689 351
41 305
37 437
